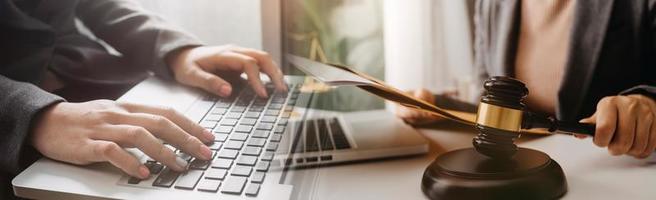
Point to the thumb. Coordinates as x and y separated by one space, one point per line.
591 119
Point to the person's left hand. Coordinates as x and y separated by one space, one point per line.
414 116
626 125
200 67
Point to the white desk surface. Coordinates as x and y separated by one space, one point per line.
591 172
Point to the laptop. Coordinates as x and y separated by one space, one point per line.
260 143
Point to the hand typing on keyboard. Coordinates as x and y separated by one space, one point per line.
97 131
201 66
247 131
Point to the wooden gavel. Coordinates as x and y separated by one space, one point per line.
501 115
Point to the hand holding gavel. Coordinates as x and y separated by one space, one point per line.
624 124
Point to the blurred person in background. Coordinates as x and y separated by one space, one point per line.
582 60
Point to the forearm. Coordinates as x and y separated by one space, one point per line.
20 104
134 32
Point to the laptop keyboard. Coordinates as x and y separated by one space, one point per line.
248 130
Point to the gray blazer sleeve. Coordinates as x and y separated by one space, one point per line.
647 90
134 32
20 104
649 87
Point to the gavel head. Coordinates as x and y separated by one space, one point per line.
499 117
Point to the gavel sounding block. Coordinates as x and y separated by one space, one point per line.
467 174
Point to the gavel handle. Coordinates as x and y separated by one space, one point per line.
532 120
575 127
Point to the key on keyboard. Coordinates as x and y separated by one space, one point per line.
276 137
276 106
220 137
208 124
260 134
247 160
213 117
257 109
268 119
154 167
233 115
218 174
272 112
208 185
251 114
258 142
248 121
244 128
219 111
280 128
188 180
227 153
228 122
215 145
267 156
239 170
233 145
251 151
222 105
265 126
272 146
222 163
238 109
258 177
199 164
223 129
233 185
252 189
166 178
239 137
262 166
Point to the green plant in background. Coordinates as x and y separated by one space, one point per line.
331 31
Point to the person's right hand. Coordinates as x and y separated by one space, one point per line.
97 131
414 116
